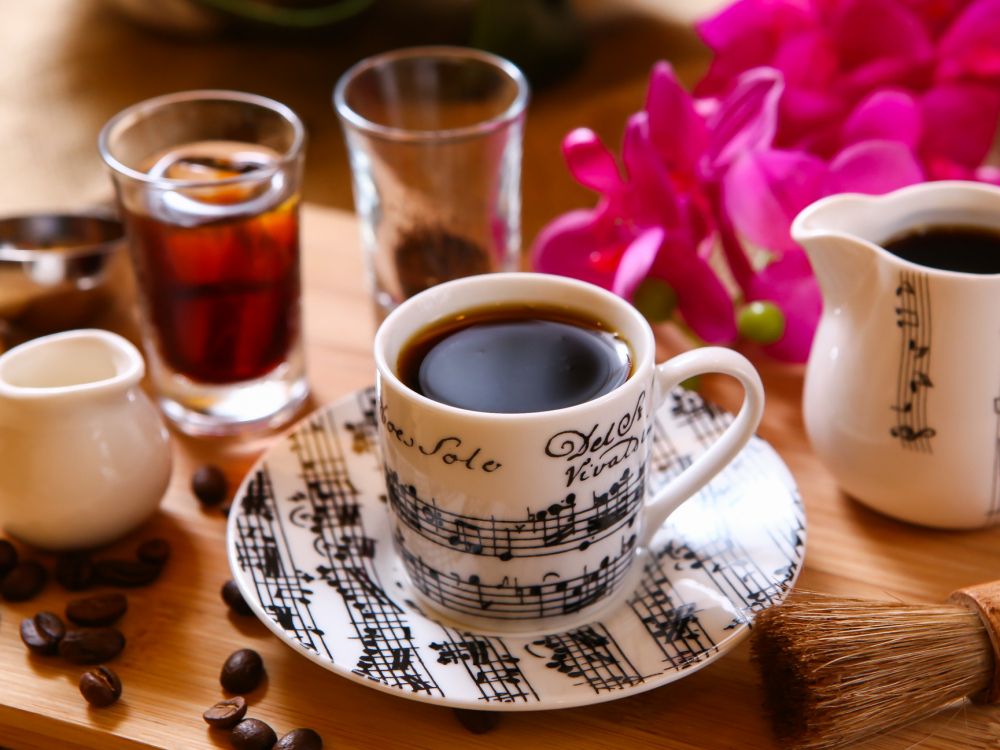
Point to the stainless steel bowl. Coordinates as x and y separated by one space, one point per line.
59 271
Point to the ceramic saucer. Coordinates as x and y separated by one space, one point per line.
310 546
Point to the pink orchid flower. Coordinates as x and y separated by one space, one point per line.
944 54
805 98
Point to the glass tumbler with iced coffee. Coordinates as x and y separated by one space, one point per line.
208 184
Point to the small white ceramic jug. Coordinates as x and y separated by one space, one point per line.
85 457
902 392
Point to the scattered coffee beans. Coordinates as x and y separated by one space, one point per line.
234 599
154 551
103 609
91 645
24 581
8 557
75 571
226 714
100 686
477 722
126 573
209 485
300 739
42 633
242 672
253 734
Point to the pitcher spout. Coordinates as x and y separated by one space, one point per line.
833 233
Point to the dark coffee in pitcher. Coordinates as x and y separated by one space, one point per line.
515 358
949 247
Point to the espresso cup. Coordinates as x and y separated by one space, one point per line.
519 522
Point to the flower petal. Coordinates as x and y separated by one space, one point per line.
764 191
676 130
874 167
702 300
867 30
746 34
971 46
960 121
590 161
884 115
789 283
570 244
746 120
636 262
651 198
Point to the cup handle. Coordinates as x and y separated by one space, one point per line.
671 374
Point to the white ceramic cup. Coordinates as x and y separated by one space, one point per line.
518 522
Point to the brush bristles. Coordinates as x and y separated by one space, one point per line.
837 670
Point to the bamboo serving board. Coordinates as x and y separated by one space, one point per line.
179 631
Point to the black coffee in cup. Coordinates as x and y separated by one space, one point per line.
515 359
968 249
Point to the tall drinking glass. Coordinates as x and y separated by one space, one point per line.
208 185
434 138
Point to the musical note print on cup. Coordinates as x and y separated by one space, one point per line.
913 318
548 530
512 599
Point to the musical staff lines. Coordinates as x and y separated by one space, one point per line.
670 621
489 663
364 431
590 653
547 531
263 552
390 654
913 318
706 420
509 599
666 461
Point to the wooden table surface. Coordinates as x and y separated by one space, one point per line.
179 631
70 64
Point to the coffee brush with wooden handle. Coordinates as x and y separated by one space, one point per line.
837 670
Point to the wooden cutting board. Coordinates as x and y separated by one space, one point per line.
179 632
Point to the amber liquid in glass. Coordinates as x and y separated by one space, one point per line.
220 265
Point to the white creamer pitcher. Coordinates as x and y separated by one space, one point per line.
84 456
902 392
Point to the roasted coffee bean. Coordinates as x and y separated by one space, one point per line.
42 633
242 672
300 739
100 686
103 609
126 573
252 734
477 722
75 571
8 557
154 551
209 485
234 599
24 582
91 645
226 714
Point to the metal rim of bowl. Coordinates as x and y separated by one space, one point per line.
33 227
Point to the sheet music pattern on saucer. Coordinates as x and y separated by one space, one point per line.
311 547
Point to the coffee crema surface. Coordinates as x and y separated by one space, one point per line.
515 359
968 249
